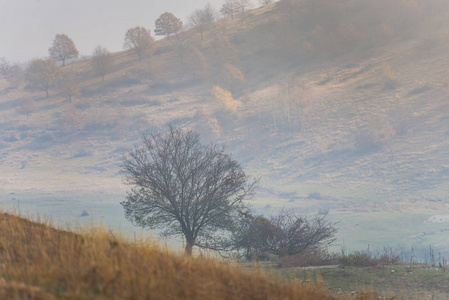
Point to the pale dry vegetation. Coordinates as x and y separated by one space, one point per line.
40 262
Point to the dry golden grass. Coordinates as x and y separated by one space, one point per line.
40 262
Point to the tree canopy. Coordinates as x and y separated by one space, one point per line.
184 187
167 24
63 48
140 41
43 74
229 8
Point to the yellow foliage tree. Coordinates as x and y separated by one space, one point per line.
43 74
225 97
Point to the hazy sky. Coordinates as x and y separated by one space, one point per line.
28 27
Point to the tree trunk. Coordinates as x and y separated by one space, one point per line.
46 91
188 249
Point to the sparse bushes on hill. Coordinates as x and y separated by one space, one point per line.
68 85
283 234
102 61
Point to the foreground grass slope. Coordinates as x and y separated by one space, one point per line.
40 262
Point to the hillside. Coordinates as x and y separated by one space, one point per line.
345 110
40 262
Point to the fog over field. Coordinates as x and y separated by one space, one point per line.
338 106
301 132
27 27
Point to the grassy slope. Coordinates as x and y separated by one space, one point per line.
345 96
40 262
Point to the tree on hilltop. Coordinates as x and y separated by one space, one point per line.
184 187
167 24
201 17
140 41
63 48
229 8
242 7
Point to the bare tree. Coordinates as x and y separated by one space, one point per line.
139 40
229 8
63 48
102 61
201 17
43 74
242 7
286 233
184 187
167 24
298 233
